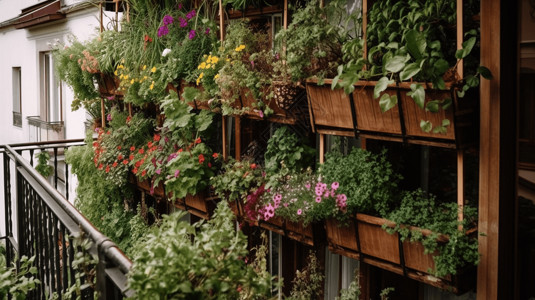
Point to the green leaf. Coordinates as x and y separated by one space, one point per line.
381 86
485 72
460 93
417 94
387 102
472 81
440 129
416 43
410 71
467 48
441 66
426 126
190 93
446 103
446 122
432 106
396 63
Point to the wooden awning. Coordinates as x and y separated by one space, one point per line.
39 14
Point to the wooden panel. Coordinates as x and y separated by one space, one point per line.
415 257
369 114
412 114
329 108
341 236
375 241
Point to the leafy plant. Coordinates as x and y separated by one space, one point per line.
200 261
353 291
367 179
308 281
237 179
451 247
285 149
17 283
314 37
43 157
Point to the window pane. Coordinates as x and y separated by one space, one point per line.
16 90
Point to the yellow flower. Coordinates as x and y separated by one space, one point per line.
208 66
202 65
121 76
120 67
216 76
132 81
201 75
151 86
198 79
125 77
239 48
145 77
214 60
115 72
144 67
153 69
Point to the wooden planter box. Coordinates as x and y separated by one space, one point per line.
108 85
201 205
295 231
334 112
145 186
196 104
364 239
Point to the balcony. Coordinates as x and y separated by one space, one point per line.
40 221
45 131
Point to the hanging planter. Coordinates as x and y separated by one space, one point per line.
108 85
147 187
201 205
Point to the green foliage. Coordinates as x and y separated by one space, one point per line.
353 291
200 261
17 283
423 211
102 203
314 37
367 179
385 292
237 179
307 282
285 149
43 167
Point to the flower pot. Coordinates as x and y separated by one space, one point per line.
364 239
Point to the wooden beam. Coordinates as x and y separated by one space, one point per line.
102 113
237 137
221 21
460 35
497 168
322 148
460 186
225 138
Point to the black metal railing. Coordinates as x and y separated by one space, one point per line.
39 219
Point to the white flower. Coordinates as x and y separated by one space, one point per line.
166 51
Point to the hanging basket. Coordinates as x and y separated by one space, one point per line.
108 85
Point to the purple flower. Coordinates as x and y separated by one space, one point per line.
108 117
183 22
179 5
191 14
207 31
177 172
191 34
110 97
163 31
167 20
158 171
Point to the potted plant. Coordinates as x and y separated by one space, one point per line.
407 51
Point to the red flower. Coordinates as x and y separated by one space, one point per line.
131 157
128 119
125 162
215 155
100 166
132 148
107 169
134 171
141 151
209 165
138 163
157 137
95 144
253 166
119 147
180 150
108 132
149 144
147 38
201 158
120 157
114 164
144 172
198 140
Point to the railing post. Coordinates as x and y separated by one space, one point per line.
7 208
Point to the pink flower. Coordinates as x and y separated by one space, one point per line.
207 31
277 197
163 30
158 171
190 15
319 191
191 34
299 212
285 204
167 20
307 185
318 199
183 22
177 172
108 117
335 185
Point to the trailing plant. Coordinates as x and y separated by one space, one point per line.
385 292
307 282
16 283
284 148
43 157
200 261
437 227
314 37
102 203
367 179
353 290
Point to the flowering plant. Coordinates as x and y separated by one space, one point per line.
237 179
140 86
302 198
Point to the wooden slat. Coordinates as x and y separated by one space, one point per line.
460 35
460 185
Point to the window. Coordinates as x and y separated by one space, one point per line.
17 97
51 100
